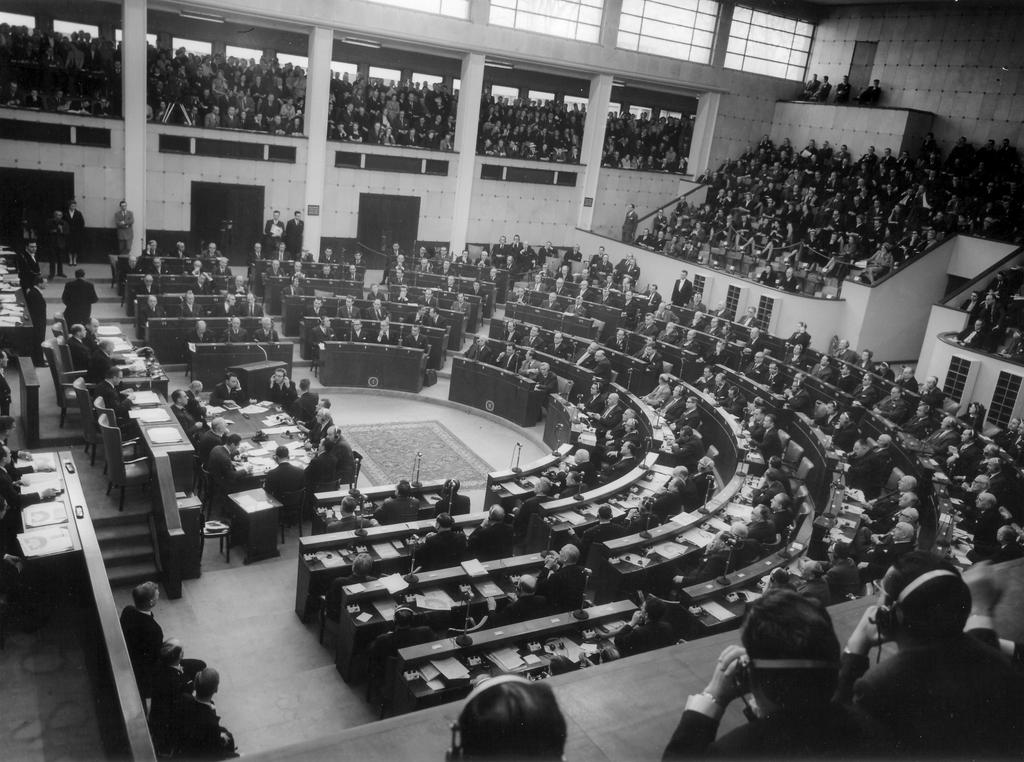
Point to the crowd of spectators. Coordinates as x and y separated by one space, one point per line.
824 209
392 113
821 90
50 71
224 93
545 130
640 143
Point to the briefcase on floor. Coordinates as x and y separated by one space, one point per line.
429 377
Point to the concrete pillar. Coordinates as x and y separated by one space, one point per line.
318 95
133 67
703 133
592 146
466 127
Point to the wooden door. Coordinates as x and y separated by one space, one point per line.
384 220
229 215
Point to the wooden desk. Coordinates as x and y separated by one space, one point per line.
367 609
160 422
376 366
169 336
255 524
437 337
497 391
523 637
209 361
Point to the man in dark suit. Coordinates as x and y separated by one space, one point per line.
28 265
401 507
442 548
562 580
493 539
385 335
306 405
285 479
526 604
235 333
415 338
375 311
78 297
221 465
248 308
646 630
76 232
211 438
228 389
362 566
76 346
359 333
530 508
293 234
179 402
682 290
349 310
770 443
201 334
266 333
451 501
605 529
143 634
196 730
100 361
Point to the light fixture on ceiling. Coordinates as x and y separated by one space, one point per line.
500 64
618 82
197 16
360 42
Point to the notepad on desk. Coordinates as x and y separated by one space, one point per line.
150 415
44 514
434 600
385 550
252 410
394 583
507 659
45 541
145 398
669 550
451 668
717 610
488 588
474 568
386 608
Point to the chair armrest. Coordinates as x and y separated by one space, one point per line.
136 460
74 373
133 442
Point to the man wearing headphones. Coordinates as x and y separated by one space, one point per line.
451 501
789 663
945 692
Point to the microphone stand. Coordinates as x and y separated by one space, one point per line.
411 577
629 379
517 451
724 578
646 532
360 531
558 443
416 472
464 639
354 487
581 614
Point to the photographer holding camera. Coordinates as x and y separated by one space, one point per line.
786 671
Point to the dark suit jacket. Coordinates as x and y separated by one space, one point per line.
306 406
79 296
397 509
523 609
221 393
143 636
323 468
646 637
205 445
283 479
220 466
79 354
198 731
491 542
442 550
564 587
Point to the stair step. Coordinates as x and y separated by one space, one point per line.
121 519
133 574
120 536
128 553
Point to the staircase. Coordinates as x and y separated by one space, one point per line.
126 544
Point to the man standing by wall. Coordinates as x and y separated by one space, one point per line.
57 245
76 227
79 296
124 222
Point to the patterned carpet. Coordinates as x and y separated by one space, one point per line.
389 454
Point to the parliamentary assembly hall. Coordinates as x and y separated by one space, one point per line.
519 379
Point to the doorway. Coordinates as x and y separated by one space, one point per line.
33 195
229 215
861 66
385 220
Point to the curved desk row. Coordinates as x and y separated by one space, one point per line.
372 366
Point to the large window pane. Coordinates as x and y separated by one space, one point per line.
669 28
384 74
287 58
501 91
70 27
454 8
345 68
199 47
18 19
763 43
569 19
244 54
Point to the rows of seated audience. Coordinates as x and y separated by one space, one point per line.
50 71
224 93
827 211
995 321
632 142
545 130
392 113
820 91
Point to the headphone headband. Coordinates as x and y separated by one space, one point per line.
491 682
924 578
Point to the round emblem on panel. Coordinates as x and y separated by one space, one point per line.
373 382
489 406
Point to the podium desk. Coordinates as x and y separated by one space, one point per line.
255 376
521 648
161 432
209 361
377 366
255 524
497 391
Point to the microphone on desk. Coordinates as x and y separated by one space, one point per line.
411 577
517 451
416 483
629 379
354 487
464 639
581 614
266 357
558 429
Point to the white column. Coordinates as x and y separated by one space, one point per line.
592 147
318 93
703 133
133 68
467 121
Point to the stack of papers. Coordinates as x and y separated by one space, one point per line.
718 611
150 415
145 398
507 659
669 550
487 588
108 330
698 537
474 568
252 503
37 482
386 608
164 435
451 668
394 583
252 409
45 541
44 514
434 600
385 550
